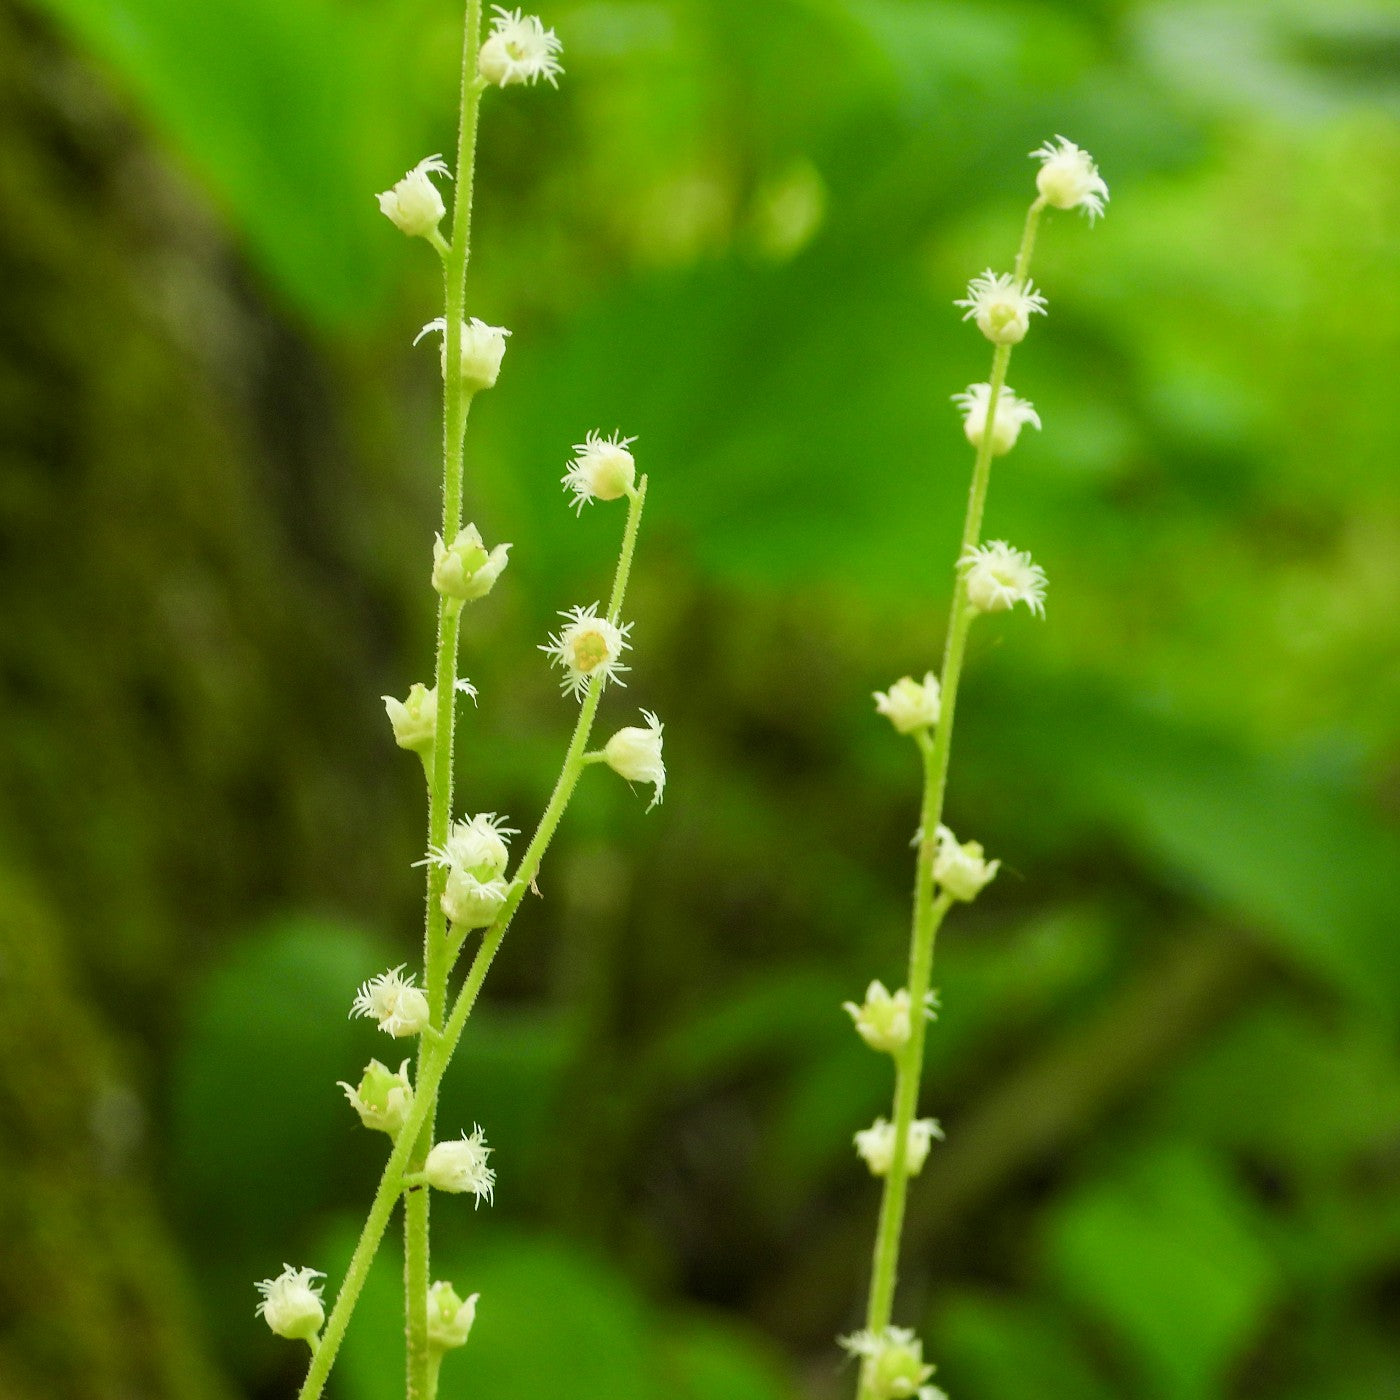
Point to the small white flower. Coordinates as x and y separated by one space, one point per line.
465 569
589 646
895 1362
414 204
450 1318
909 704
477 845
414 719
876 1145
1002 306
603 470
382 1098
961 869
1069 179
392 1000
999 577
461 1166
1011 416
519 49
882 1020
291 1303
483 349
635 754
471 902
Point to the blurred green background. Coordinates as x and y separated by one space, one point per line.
1167 1060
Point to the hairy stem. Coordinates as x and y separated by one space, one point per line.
456 405
436 1053
929 909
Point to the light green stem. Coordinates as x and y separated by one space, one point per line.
437 1052
421 1375
928 909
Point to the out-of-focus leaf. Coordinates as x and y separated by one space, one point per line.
1166 1252
712 1361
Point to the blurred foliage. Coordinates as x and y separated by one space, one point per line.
1166 1057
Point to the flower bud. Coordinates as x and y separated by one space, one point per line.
414 720
882 1021
635 754
449 1317
1012 414
960 868
291 1303
876 1145
461 1166
382 1098
464 569
414 204
909 704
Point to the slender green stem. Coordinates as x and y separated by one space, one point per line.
435 1053
929 909
436 959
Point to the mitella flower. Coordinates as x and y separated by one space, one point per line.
875 1145
450 1318
635 754
392 1000
1069 179
460 1166
291 1303
381 1098
589 646
962 869
465 569
519 49
1011 416
1002 306
999 577
483 349
475 855
602 470
910 705
414 204
895 1358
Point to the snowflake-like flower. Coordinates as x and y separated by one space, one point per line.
450 1318
961 868
1002 306
414 204
483 349
291 1303
602 470
589 646
519 49
876 1144
910 705
381 1098
1011 416
999 577
894 1363
882 1020
1069 179
461 1166
635 754
392 1000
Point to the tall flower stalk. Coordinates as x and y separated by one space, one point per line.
987 578
470 887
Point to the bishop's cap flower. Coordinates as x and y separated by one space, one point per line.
460 1166
635 754
1012 414
519 49
882 1020
588 646
1001 306
392 1000
291 1303
910 705
466 569
999 577
414 204
961 868
382 1098
895 1368
1069 179
483 349
414 719
602 470
875 1145
450 1318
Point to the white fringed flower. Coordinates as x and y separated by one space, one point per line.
876 1145
392 1000
465 569
603 470
414 204
999 577
910 705
450 1318
635 754
478 844
589 646
961 869
291 1303
1002 306
461 1166
519 49
882 1020
483 349
1069 179
1011 416
381 1098
471 902
895 1358
414 719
